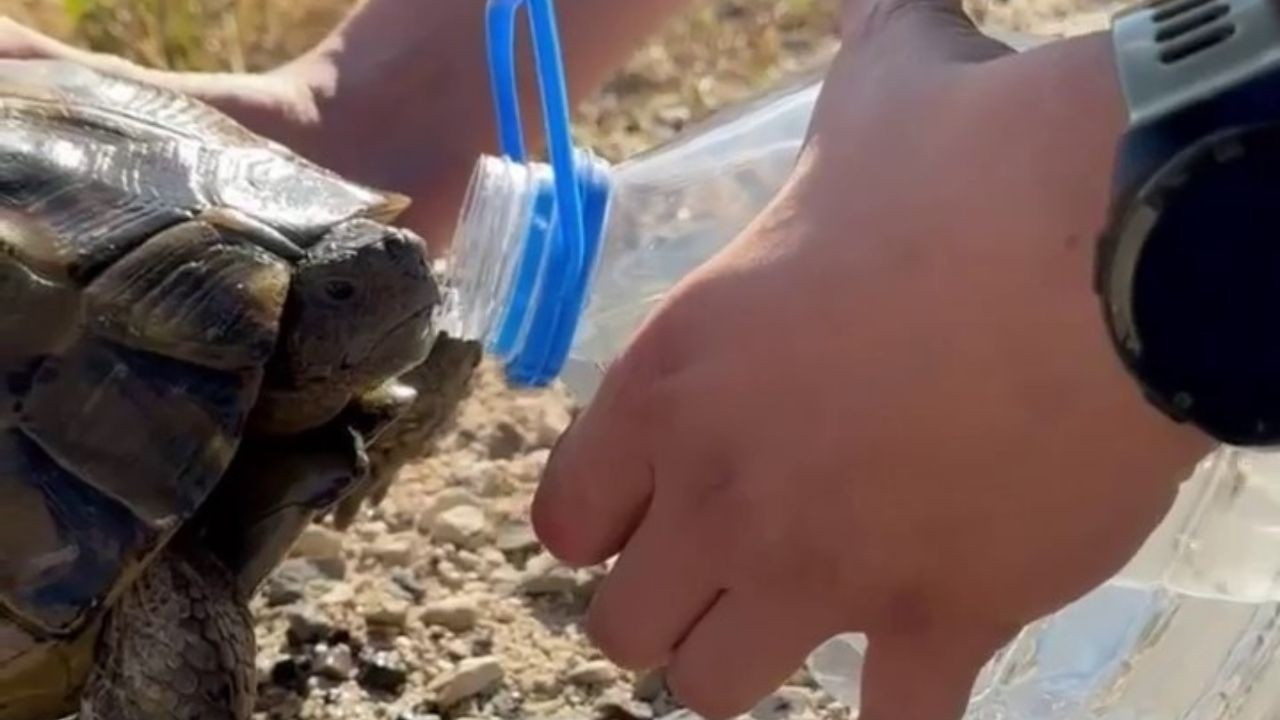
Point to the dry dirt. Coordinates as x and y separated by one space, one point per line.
440 603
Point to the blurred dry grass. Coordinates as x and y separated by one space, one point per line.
719 51
186 34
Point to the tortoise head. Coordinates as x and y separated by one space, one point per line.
361 310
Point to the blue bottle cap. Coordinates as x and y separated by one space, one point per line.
553 275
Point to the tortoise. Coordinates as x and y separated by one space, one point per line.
202 336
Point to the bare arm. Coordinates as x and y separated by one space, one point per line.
399 94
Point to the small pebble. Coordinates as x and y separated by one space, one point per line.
545 684
674 116
335 662
464 526
385 611
471 677
323 547
505 442
458 614
594 672
466 560
407 582
516 537
621 708
457 649
649 686
544 575
288 584
442 502
338 595
317 541
391 551
372 530
307 625
493 480
682 714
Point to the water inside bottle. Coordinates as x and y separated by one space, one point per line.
1189 629
675 208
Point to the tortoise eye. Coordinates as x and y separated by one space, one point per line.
340 290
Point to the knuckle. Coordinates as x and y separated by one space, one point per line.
660 351
619 641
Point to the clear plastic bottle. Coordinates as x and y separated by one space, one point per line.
555 282
1189 629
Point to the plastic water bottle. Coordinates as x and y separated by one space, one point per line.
1189 629
556 264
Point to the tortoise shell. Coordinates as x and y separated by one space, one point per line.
153 258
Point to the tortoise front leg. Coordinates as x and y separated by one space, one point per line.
440 384
273 490
178 645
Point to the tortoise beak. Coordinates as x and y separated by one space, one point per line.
391 206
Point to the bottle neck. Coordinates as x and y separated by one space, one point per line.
488 242
515 284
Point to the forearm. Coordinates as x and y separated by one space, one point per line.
398 96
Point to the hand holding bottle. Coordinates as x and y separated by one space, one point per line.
889 406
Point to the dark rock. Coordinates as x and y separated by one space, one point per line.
650 686
383 671
291 674
482 645
505 704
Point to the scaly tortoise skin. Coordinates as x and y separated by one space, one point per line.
201 339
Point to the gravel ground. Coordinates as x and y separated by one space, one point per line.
439 603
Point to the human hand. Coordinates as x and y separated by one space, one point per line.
889 406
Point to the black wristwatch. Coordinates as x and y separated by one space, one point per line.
1188 267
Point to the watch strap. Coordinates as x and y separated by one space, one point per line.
1173 54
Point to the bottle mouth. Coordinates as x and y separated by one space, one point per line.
491 228
516 282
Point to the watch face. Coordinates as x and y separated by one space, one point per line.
1204 307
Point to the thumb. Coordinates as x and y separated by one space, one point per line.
921 676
